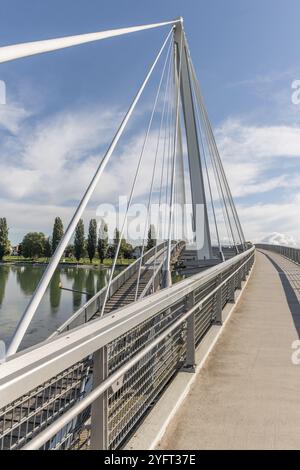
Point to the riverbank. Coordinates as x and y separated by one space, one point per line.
66 262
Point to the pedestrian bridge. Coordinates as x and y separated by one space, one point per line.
205 362
99 385
247 394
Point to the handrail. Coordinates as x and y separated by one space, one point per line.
289 252
94 304
159 269
63 420
33 366
46 386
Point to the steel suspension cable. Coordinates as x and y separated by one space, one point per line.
164 163
218 178
229 195
210 144
177 88
131 196
219 182
48 273
154 169
219 162
169 162
209 185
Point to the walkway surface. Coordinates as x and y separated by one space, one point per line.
248 394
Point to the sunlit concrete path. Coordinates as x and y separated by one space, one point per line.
248 394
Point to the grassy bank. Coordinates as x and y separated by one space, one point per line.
83 261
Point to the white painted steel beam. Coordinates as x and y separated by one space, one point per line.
17 51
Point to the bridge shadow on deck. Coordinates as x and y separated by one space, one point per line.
291 297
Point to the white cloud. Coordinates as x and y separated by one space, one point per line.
257 161
280 239
48 165
267 79
242 142
11 117
262 219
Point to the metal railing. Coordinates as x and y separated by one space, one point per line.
156 280
90 387
94 305
289 252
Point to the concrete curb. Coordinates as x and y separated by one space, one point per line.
152 430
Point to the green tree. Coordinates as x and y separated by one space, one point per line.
33 245
116 240
69 251
103 241
58 232
79 242
4 242
48 248
20 249
110 251
151 237
122 244
127 250
92 239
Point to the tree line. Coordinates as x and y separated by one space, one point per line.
36 244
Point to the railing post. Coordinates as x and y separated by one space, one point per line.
239 278
218 303
190 361
244 275
99 428
231 293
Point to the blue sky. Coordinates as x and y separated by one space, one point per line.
246 57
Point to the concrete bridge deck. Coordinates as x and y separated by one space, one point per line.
247 396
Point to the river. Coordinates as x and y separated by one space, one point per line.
17 283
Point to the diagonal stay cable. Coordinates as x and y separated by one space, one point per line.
161 229
210 144
49 271
171 210
131 196
209 184
218 159
154 169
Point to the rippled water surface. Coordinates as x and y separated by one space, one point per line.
17 283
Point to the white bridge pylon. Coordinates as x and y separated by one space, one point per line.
183 103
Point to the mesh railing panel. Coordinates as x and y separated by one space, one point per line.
24 418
